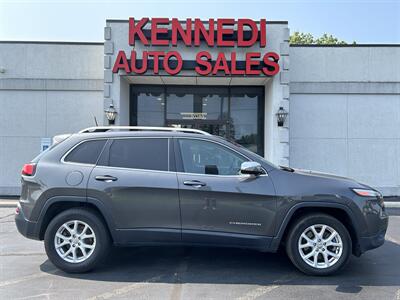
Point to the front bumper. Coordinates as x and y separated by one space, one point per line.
372 242
372 223
25 227
376 240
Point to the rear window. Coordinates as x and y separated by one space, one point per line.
140 153
86 153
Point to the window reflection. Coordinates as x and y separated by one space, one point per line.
244 118
197 103
201 157
179 103
149 106
236 113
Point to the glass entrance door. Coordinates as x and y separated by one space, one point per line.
235 113
202 108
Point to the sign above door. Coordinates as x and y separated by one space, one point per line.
219 33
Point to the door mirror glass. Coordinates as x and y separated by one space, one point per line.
251 167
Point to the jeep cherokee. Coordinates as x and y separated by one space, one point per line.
132 186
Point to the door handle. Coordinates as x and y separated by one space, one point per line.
106 178
194 183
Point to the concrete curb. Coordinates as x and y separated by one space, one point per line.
8 203
392 204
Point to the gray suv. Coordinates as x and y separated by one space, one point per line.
132 186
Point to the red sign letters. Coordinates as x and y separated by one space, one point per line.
218 33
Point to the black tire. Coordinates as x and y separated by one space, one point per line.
101 248
300 226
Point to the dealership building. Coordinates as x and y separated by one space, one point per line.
333 109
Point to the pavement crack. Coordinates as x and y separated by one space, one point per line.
176 293
3 217
398 295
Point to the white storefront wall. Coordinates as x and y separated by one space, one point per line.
46 89
345 113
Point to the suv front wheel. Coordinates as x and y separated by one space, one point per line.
76 240
318 244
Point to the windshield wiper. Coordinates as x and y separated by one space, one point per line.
289 169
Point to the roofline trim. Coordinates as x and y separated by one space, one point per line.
204 21
53 42
291 45
342 45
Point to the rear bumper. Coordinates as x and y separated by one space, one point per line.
25 227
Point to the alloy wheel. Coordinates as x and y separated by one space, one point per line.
75 241
320 246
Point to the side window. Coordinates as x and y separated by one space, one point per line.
86 153
203 157
140 153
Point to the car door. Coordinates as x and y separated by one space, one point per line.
218 204
134 179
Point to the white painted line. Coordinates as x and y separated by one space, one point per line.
125 289
26 278
262 290
258 292
41 296
398 294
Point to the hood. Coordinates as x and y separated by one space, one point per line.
321 175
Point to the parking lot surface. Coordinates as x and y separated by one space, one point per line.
192 273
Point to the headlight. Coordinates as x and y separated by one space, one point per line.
367 193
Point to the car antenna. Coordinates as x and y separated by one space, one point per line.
95 120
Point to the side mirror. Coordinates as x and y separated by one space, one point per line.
251 167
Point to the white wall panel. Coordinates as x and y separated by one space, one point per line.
70 111
22 113
318 116
355 135
374 116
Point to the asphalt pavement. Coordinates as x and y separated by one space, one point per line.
192 273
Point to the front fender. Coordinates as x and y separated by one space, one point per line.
281 228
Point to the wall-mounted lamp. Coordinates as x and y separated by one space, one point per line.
281 116
2 70
111 114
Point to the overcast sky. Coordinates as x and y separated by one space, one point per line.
373 21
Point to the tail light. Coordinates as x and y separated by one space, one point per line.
29 169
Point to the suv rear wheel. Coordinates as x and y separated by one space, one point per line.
76 240
318 244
